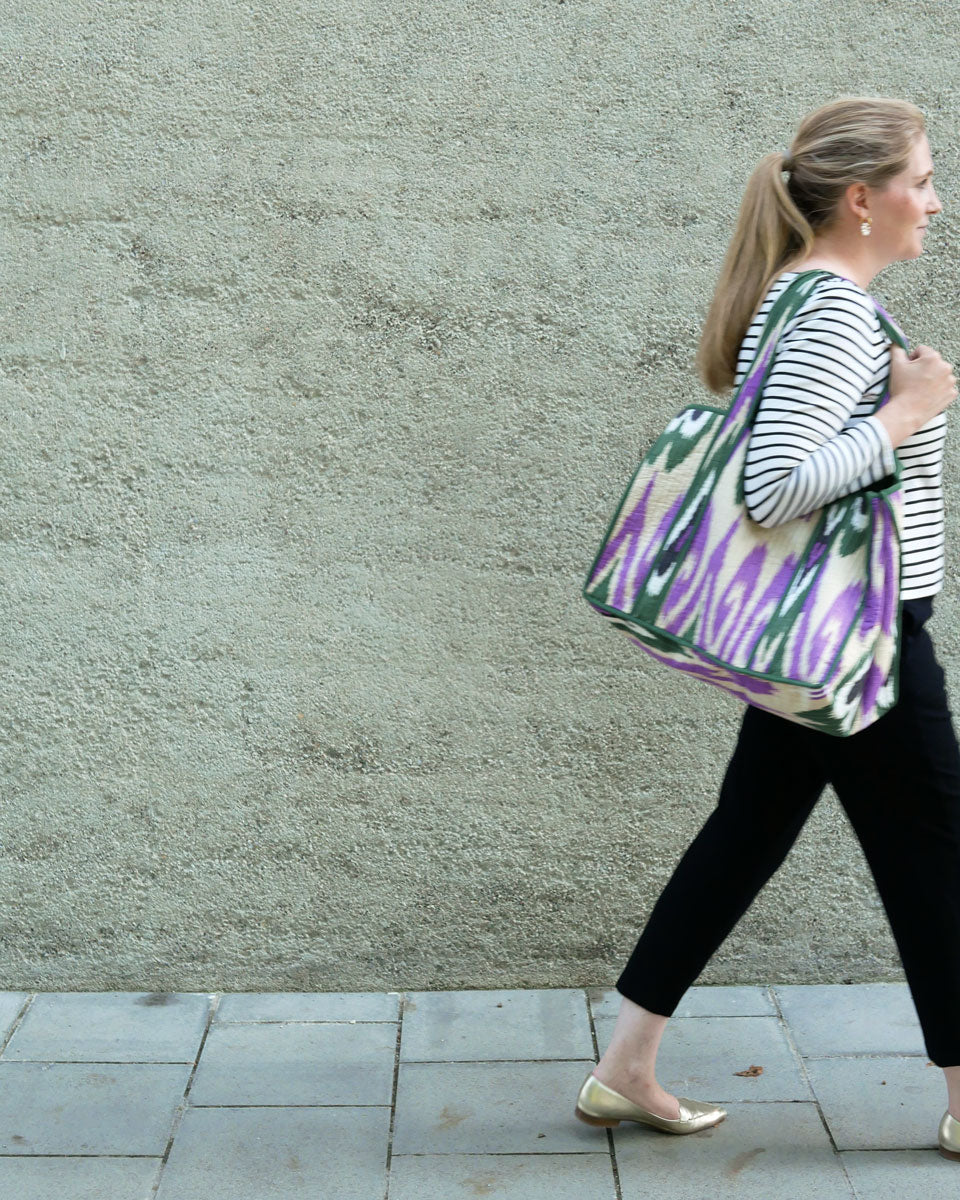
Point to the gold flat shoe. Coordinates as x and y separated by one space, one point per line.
598 1104
949 1136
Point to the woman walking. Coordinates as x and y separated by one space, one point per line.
853 195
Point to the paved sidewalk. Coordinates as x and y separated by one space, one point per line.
450 1095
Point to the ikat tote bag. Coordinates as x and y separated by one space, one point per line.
801 620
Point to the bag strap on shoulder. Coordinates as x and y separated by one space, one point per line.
793 296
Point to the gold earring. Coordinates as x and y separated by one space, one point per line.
865 226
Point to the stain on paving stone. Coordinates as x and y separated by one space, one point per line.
481 1185
155 998
450 1118
736 1165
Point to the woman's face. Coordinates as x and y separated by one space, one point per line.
901 209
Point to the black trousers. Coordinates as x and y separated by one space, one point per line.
899 783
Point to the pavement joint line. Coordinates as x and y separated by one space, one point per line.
21 1157
288 1106
611 1141
488 1062
104 1062
401 1009
213 1003
305 1021
18 1020
867 1054
788 1035
498 1153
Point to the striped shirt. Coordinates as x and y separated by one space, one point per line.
814 438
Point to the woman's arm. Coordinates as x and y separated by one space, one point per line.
804 449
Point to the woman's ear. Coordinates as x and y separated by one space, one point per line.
857 200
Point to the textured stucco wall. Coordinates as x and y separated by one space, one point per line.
331 333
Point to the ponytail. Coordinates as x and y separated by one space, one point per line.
770 231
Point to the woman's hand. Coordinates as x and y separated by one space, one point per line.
921 386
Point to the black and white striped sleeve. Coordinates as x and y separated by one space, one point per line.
806 447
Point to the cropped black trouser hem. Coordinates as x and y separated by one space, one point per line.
899 783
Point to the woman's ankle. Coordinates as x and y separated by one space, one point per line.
619 1072
952 1076
640 1089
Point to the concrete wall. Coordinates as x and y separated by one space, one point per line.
331 334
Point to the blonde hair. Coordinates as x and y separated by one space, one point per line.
853 140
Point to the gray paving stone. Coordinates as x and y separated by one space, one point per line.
505 1176
296 1064
308 1006
699 1058
10 1005
883 1103
901 1174
111 1027
773 1151
857 1018
81 1108
495 1025
78 1178
734 1001
278 1154
492 1108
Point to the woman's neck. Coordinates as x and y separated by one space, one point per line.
853 260
821 262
